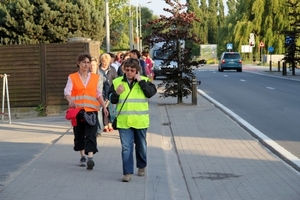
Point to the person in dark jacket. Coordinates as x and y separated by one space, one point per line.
136 54
125 57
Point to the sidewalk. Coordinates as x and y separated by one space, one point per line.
265 70
194 152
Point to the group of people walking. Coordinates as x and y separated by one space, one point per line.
122 84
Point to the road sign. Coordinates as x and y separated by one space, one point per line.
252 40
271 49
262 45
229 46
251 43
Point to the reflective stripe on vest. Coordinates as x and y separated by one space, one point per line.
133 100
85 97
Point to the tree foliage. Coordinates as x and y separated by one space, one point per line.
120 29
267 19
173 31
49 21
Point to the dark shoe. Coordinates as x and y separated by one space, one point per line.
82 161
141 172
126 178
90 164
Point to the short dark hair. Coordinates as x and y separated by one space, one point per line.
112 55
137 52
145 53
132 63
83 56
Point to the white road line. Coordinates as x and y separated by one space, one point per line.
242 80
285 153
226 75
270 88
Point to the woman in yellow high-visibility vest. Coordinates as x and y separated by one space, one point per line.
133 120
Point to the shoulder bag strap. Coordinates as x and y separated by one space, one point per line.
125 100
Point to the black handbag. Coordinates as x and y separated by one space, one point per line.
115 121
114 124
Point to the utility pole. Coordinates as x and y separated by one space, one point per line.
137 26
141 37
130 26
107 27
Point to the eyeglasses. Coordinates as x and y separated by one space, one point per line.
130 70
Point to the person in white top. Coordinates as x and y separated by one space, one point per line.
114 62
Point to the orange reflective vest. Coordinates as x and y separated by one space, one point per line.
85 97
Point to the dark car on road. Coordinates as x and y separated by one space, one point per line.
162 70
230 61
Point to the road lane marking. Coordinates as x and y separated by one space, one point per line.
268 141
242 80
270 88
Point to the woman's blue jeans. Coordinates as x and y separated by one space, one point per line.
129 137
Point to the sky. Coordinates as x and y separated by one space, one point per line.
157 5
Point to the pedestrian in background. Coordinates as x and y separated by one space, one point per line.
110 73
133 119
84 95
94 69
136 54
114 61
121 68
149 64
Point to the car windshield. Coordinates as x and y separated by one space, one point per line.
232 56
158 54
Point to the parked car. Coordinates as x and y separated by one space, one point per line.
230 61
202 62
161 70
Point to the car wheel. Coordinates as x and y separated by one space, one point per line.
221 70
239 70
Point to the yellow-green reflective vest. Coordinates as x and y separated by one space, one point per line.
135 112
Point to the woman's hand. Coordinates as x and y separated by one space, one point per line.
105 111
120 89
72 104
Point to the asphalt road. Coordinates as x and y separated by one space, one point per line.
269 104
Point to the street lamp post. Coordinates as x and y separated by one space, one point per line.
107 26
137 26
141 37
130 27
140 24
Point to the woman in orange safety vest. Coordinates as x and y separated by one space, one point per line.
84 94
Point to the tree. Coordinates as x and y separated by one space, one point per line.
212 22
196 28
174 31
120 31
292 34
50 21
265 18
